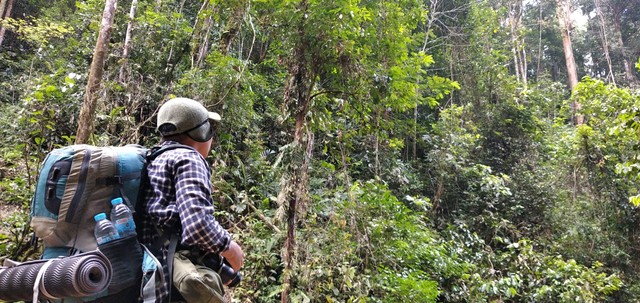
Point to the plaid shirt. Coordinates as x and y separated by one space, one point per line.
178 198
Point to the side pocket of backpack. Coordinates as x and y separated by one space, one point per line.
152 276
126 258
47 200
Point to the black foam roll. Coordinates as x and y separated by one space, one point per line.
76 276
16 283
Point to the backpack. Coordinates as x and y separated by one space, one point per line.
74 184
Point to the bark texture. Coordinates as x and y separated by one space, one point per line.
564 17
127 40
298 94
87 112
7 14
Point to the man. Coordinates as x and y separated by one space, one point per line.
178 198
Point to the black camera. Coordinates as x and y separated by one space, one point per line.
219 264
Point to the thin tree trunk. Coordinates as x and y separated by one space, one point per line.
376 143
7 14
564 17
605 43
87 112
232 29
518 49
415 134
3 5
127 40
204 45
169 57
524 66
431 18
516 63
539 38
628 66
513 26
298 88
202 35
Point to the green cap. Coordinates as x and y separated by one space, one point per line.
181 115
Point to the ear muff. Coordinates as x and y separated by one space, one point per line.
202 132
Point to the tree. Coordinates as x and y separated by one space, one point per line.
7 14
605 39
87 112
617 24
339 121
127 39
619 11
3 6
297 92
564 18
566 27
518 47
202 31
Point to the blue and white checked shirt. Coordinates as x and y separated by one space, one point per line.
179 198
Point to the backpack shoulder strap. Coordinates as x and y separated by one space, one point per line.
156 151
171 236
151 155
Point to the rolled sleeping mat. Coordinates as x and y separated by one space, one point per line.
78 276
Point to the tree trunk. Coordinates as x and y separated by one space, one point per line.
628 66
298 88
605 42
169 66
539 39
414 153
231 31
7 14
564 17
519 55
87 112
3 5
376 145
127 40
523 53
201 34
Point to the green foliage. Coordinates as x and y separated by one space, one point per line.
517 272
15 236
540 278
382 247
55 98
37 31
16 166
16 190
479 188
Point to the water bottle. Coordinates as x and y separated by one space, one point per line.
104 231
122 218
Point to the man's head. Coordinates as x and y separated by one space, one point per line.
186 116
180 117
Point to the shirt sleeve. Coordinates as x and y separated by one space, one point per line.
194 204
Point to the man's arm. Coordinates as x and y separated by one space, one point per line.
193 201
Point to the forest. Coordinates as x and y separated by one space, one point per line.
369 150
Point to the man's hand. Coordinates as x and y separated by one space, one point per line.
234 255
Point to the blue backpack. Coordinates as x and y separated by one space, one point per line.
76 183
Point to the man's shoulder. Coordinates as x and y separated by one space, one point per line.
172 148
173 152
